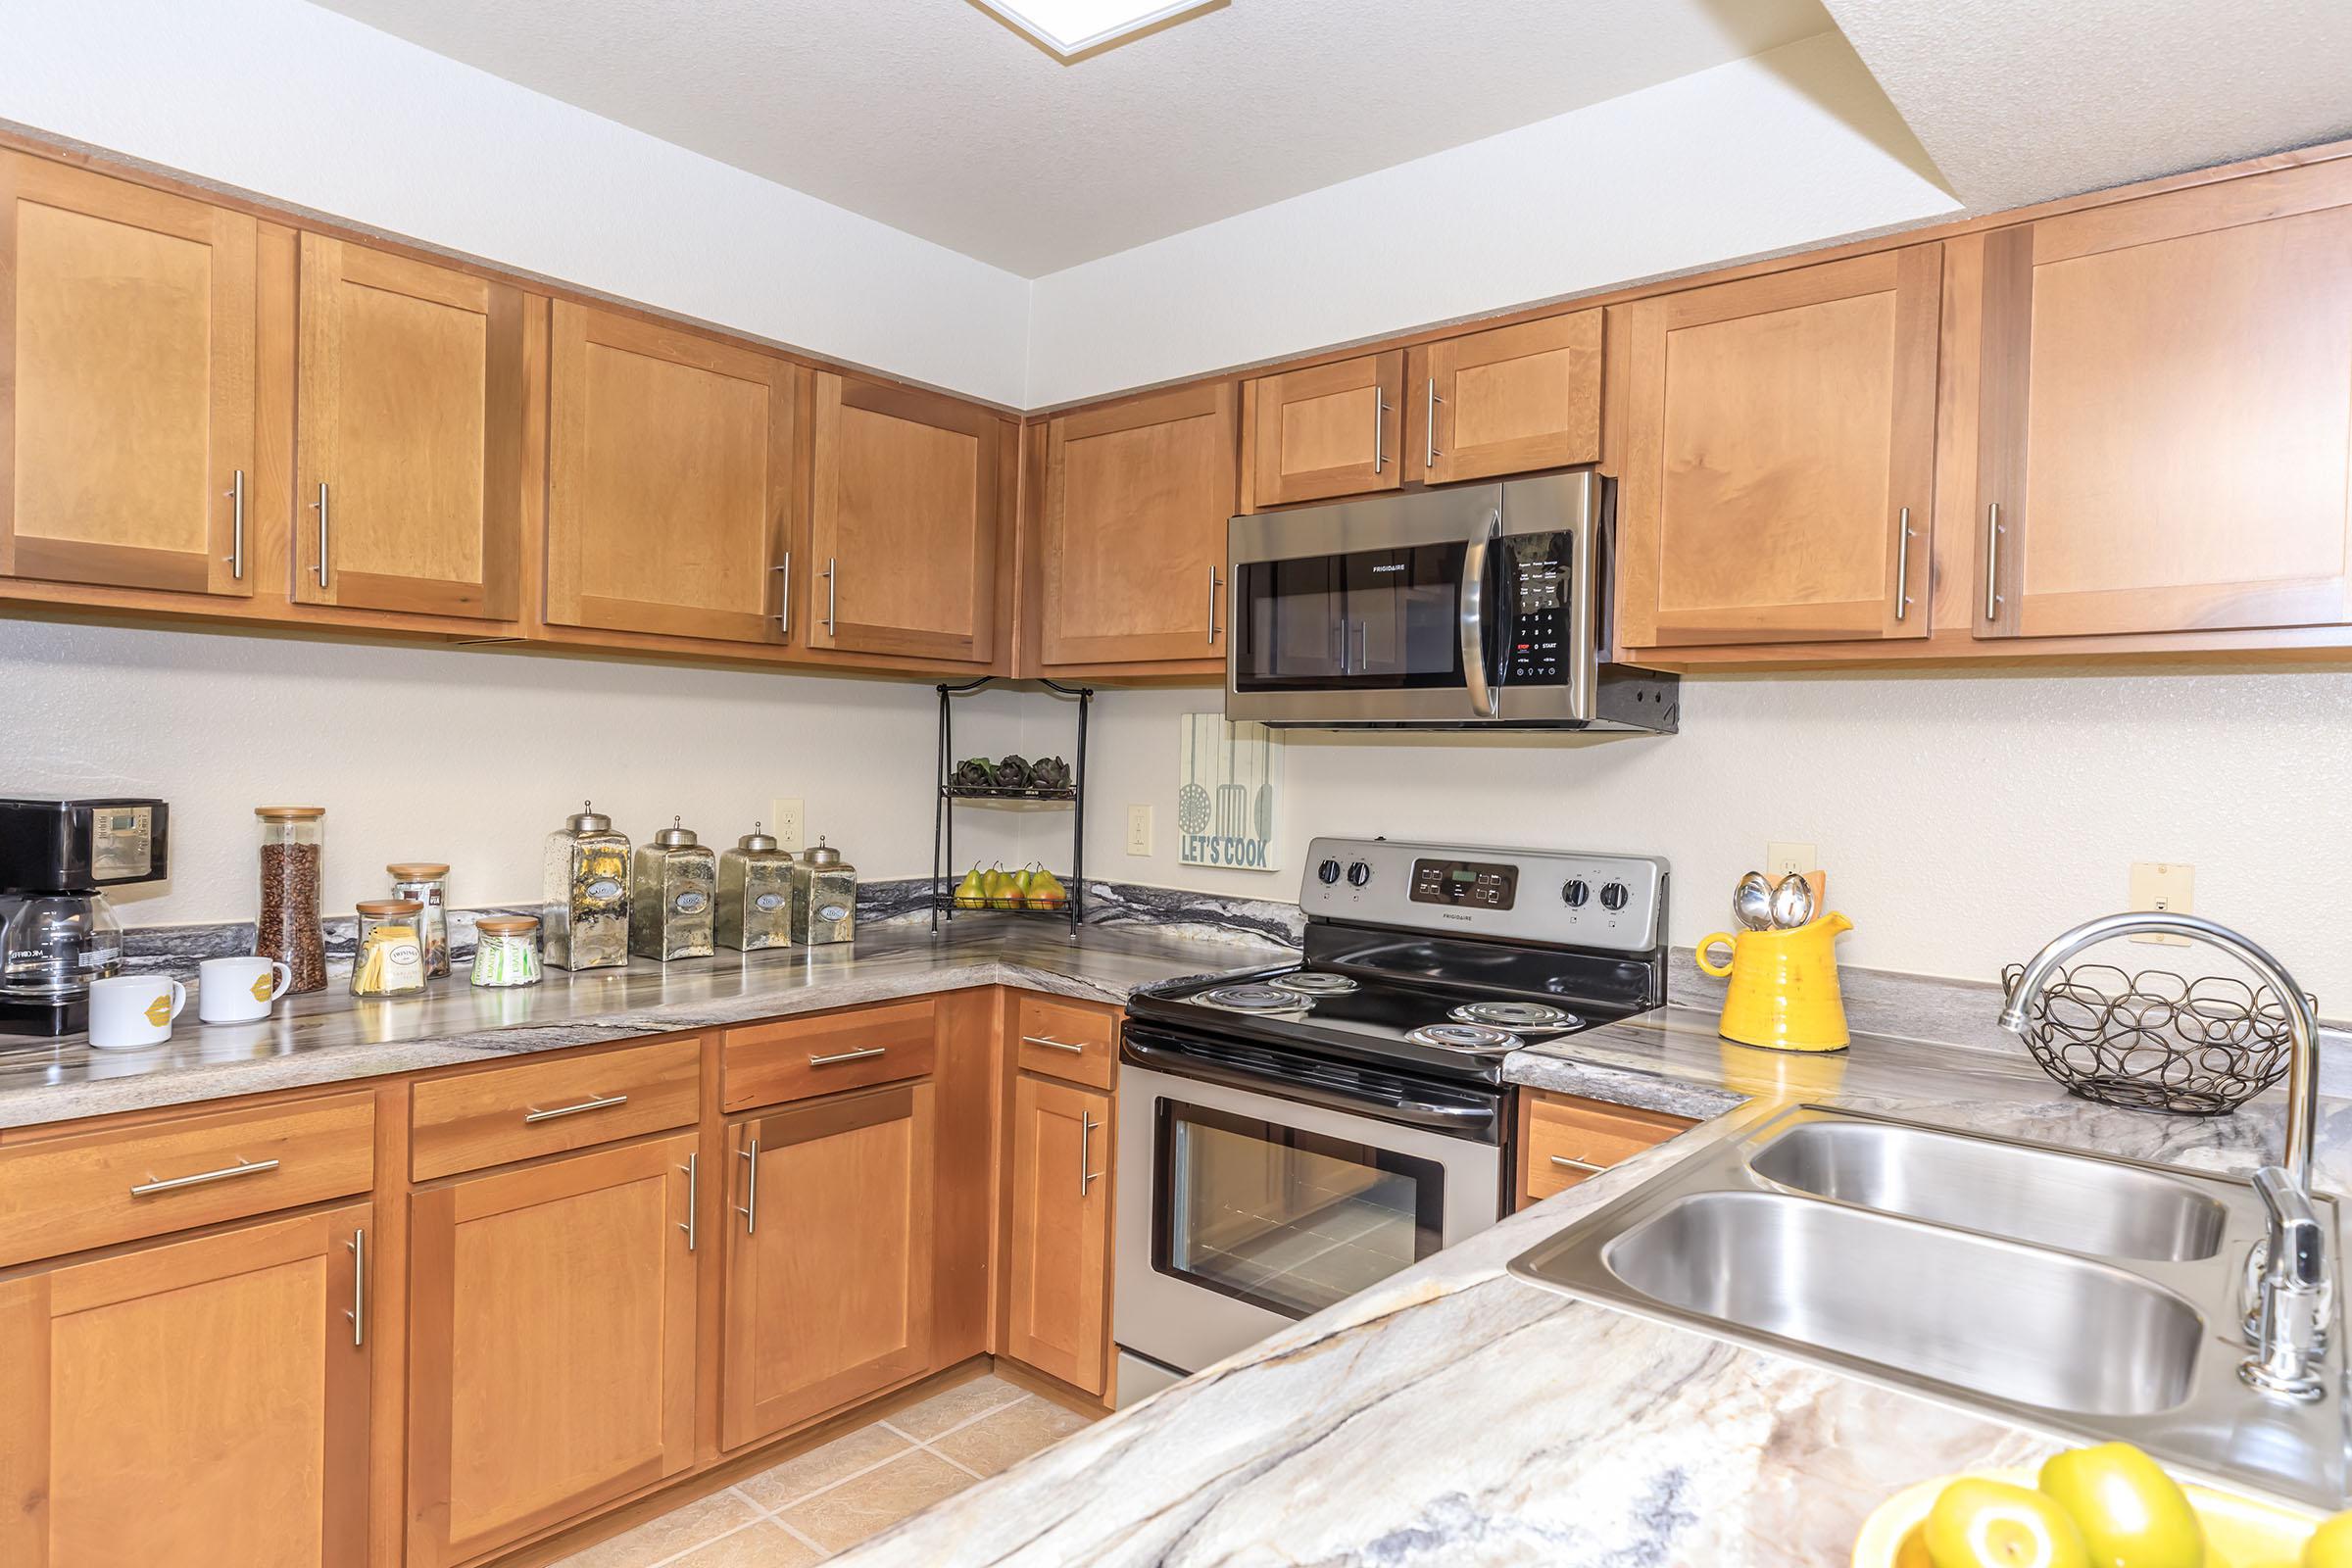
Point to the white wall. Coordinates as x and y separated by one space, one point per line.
1963 820
305 106
1791 148
469 756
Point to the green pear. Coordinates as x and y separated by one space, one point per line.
1045 890
970 894
1022 880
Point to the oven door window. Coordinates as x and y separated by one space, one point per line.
1367 619
1283 1218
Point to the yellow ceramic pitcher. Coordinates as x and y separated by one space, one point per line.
1784 992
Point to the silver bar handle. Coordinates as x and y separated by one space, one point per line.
359 1289
1993 560
784 614
320 506
1429 426
748 1208
1474 622
595 1103
236 525
693 1195
1380 427
866 1055
1049 1040
1216 582
832 582
243 1167
1585 1165
1086 1132
1903 563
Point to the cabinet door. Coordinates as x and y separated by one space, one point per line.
1332 430
828 1256
670 481
202 1403
550 1359
1060 1260
414 387
1780 456
1510 399
902 534
1133 541
127 397
2165 416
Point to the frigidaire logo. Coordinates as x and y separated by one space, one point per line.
1398 567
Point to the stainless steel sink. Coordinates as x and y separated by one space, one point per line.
2077 1335
2085 1295
2025 1194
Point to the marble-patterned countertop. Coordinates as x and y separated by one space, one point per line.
1455 1414
331 1036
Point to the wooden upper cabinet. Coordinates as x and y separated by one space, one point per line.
1132 539
903 529
2166 412
1329 430
1059 1321
1778 454
415 384
1508 400
552 1344
829 1251
671 473
127 383
202 1403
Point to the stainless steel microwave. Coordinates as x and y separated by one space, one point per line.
1468 607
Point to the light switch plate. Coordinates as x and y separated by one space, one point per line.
1139 830
1789 858
787 821
2166 884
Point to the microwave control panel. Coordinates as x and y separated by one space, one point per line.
1535 568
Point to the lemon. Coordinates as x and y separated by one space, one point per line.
2329 1546
1991 1524
2132 1514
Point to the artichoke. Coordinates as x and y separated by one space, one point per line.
974 773
1011 775
1049 773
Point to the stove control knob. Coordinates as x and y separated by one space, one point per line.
1613 897
1576 891
1359 874
1328 873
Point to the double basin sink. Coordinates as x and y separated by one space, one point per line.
2096 1297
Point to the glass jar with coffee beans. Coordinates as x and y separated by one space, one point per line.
293 855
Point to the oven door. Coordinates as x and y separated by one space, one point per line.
1241 1210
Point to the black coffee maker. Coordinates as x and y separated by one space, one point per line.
57 931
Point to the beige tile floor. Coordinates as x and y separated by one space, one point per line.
831 1498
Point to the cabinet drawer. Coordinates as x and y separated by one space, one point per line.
1067 1040
546 1107
768 1063
97 1188
1565 1140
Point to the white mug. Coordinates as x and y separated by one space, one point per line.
134 1010
239 990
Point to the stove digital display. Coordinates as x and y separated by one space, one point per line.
1460 882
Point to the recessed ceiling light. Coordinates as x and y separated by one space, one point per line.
1072 27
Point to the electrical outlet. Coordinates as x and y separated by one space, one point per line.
1139 830
2166 886
1790 860
787 821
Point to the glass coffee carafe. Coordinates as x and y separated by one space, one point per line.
55 943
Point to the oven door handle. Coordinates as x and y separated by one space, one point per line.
1472 1120
1484 700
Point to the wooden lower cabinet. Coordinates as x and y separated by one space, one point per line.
829 1257
552 1343
1060 1253
199 1402
1565 1138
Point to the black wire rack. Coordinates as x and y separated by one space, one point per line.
952 794
2155 1040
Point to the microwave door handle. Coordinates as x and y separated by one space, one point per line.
1484 701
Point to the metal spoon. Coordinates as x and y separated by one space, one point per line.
1791 902
1751 901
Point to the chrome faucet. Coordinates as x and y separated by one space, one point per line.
2288 1274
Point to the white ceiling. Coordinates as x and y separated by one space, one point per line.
937 118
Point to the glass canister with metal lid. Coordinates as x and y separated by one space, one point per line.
584 891
674 896
755 894
824 896
427 882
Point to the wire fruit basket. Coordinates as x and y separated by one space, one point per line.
2155 1040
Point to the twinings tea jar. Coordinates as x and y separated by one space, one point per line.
824 896
584 891
673 895
755 894
390 962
